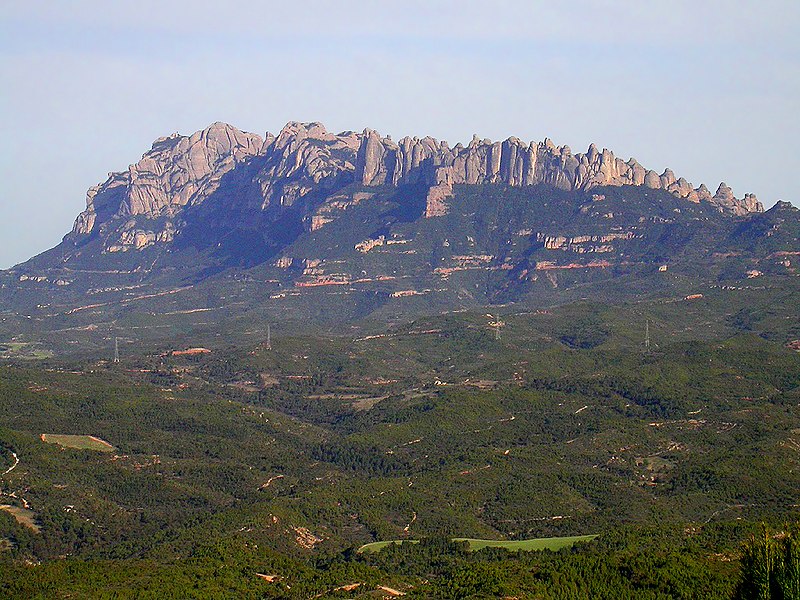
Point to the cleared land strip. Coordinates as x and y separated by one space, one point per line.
79 442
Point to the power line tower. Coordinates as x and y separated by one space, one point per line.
497 324
269 337
116 349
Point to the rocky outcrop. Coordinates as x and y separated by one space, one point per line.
435 205
725 199
142 206
178 170
304 157
583 244
133 238
181 171
515 163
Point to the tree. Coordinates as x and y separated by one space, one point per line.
771 567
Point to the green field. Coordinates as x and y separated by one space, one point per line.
78 442
554 543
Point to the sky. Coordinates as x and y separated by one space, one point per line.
707 88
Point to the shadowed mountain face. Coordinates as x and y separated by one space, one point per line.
328 228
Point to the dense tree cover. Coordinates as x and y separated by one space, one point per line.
283 461
630 563
613 568
586 332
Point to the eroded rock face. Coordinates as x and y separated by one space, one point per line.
724 198
304 157
181 171
177 171
413 160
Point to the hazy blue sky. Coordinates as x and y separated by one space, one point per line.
707 88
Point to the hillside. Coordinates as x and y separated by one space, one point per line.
283 460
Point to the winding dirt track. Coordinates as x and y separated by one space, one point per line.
14 466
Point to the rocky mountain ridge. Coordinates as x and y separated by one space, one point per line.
277 171
225 230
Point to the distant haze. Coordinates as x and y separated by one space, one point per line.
709 91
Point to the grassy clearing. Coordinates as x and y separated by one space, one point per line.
22 515
555 543
79 442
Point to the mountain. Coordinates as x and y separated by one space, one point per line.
321 228
278 172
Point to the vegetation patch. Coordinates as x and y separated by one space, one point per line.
24 350
673 454
22 515
78 442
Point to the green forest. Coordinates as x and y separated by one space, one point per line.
258 471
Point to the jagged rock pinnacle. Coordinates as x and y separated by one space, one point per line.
180 171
